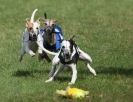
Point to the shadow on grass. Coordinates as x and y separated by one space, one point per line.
82 73
62 78
115 71
109 70
34 73
29 73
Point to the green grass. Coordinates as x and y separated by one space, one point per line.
103 28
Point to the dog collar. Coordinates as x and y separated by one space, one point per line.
68 62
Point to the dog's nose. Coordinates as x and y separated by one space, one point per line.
67 55
34 35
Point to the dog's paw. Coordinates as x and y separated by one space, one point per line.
49 80
32 53
71 83
95 74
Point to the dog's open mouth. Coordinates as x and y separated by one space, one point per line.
33 37
67 56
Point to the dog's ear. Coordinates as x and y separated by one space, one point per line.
27 22
38 20
45 15
53 22
41 19
71 39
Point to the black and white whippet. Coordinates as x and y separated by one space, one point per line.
68 56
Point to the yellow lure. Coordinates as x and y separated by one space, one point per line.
73 93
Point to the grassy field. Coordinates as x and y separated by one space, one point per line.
103 28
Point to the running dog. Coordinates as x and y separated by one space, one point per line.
29 36
68 56
32 39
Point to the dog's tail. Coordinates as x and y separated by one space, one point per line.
33 15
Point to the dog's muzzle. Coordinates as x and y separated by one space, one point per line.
33 37
49 29
67 55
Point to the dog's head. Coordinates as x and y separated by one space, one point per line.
49 25
32 25
67 48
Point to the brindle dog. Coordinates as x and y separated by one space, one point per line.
49 37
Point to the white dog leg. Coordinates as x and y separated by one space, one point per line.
91 69
74 74
53 71
56 72
31 53
40 51
55 62
49 80
28 50
85 57
22 53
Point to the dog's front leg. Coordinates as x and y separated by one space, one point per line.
51 76
54 71
55 74
74 74
25 42
27 49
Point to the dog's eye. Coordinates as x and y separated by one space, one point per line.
53 25
30 28
63 47
37 28
45 23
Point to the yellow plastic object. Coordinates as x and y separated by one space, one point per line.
73 93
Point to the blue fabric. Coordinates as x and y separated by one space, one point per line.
58 32
41 31
58 41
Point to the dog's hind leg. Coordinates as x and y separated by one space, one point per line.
22 54
91 69
85 57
